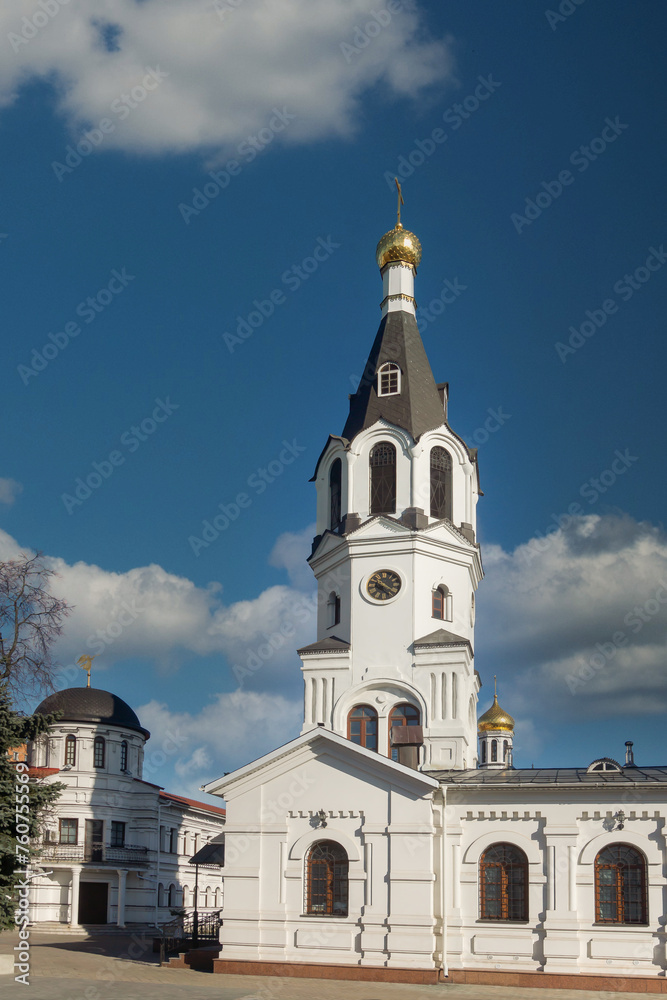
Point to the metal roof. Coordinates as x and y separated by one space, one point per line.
418 407
89 704
209 854
545 776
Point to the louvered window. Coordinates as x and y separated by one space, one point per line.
383 479
335 476
441 483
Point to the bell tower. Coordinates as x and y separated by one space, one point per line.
395 555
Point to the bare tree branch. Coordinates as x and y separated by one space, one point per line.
30 621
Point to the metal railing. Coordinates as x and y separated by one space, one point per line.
100 853
193 930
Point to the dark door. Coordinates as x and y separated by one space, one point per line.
93 898
94 840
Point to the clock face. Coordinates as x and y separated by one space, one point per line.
383 584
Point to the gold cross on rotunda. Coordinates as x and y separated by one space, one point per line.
85 662
400 202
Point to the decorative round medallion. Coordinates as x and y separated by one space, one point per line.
383 585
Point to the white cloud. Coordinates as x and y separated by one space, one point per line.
291 552
232 730
9 490
226 73
577 622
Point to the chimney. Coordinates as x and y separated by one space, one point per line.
629 755
408 740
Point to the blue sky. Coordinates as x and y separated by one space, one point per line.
531 146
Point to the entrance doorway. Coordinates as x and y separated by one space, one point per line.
93 902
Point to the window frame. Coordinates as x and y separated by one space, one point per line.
73 825
363 735
335 494
621 887
117 826
334 896
440 481
70 751
519 863
389 379
124 749
382 482
393 751
99 744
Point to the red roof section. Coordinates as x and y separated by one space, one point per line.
42 772
193 803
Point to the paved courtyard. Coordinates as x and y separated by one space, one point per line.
123 967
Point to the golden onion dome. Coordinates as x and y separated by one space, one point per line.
495 718
399 244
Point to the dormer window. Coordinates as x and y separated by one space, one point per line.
389 379
604 764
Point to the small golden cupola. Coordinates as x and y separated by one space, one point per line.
398 256
496 735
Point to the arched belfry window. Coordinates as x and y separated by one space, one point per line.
382 479
620 886
402 715
503 881
70 751
335 492
441 483
362 727
389 379
333 609
326 880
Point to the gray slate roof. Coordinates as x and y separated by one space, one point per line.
91 705
441 637
418 407
546 776
209 854
332 644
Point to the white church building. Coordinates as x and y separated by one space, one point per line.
395 838
115 848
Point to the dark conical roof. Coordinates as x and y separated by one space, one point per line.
86 704
418 407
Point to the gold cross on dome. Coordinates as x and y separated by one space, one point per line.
85 662
400 200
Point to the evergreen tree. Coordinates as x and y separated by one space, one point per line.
17 849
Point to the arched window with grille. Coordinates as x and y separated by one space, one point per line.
389 379
494 751
503 883
335 493
70 751
441 483
123 756
483 751
362 727
98 752
402 715
383 479
620 886
327 880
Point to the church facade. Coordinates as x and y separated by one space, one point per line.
395 837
